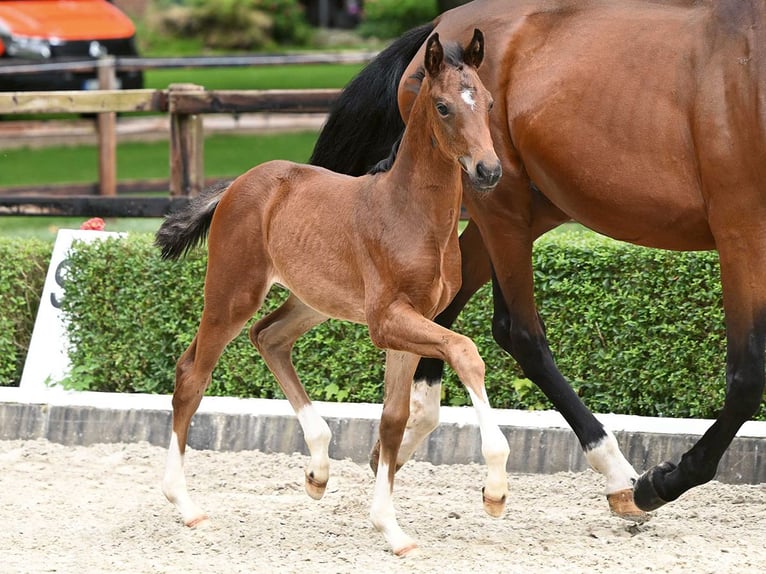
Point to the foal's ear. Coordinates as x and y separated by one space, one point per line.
434 55
474 52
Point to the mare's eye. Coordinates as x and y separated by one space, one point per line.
442 109
491 105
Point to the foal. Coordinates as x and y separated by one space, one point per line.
380 250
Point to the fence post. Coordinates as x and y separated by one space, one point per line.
186 146
107 131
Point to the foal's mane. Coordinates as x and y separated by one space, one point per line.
454 55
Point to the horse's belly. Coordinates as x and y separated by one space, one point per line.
624 199
605 129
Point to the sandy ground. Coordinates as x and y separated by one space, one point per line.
100 509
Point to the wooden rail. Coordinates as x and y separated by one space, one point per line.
183 102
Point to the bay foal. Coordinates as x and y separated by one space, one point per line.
380 250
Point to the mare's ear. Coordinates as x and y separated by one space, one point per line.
474 52
434 55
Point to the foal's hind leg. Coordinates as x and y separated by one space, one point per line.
274 336
220 323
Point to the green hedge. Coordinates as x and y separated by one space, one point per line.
23 264
391 18
637 331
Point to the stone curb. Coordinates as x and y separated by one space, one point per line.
541 442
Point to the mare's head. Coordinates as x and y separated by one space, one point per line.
460 107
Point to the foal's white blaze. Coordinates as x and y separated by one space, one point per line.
605 457
494 447
468 98
174 485
383 515
424 417
317 435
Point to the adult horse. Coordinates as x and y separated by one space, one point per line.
645 120
380 250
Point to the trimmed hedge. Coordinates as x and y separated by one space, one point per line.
23 265
637 331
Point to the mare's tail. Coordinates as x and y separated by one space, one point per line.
184 229
364 123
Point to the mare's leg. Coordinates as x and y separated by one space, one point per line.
230 300
743 277
518 328
274 336
399 326
399 369
425 397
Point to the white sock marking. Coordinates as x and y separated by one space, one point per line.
425 400
607 459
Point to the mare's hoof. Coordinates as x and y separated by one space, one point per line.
493 506
645 492
199 522
314 488
621 504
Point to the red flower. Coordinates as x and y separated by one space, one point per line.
94 224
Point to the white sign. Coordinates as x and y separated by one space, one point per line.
47 361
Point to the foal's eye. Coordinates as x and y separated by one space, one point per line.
442 109
490 106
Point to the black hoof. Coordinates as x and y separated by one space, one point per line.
645 492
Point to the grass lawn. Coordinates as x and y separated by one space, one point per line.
225 155
297 77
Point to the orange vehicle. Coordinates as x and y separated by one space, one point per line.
49 31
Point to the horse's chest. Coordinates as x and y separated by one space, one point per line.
441 279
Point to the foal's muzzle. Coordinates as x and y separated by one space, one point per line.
486 175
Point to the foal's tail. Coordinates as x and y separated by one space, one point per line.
184 229
364 123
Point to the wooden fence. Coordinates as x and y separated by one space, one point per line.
185 103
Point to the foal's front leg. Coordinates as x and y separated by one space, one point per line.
399 326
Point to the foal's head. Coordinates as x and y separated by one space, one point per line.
460 106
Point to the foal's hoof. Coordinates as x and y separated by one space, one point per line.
199 522
493 506
621 504
314 488
408 551
645 491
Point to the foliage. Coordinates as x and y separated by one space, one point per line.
391 18
148 311
229 24
23 264
639 331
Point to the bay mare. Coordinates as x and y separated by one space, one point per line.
381 250
644 120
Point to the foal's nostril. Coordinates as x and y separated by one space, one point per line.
488 176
